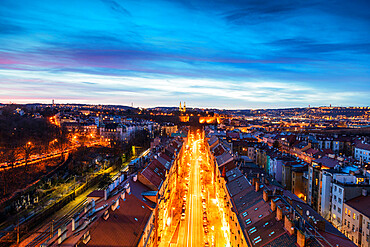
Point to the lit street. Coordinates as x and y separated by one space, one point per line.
200 218
193 224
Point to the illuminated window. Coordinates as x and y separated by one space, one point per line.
349 213
334 216
354 216
345 210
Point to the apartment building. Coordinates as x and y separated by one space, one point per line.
356 224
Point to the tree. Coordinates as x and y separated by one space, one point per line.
62 139
11 155
27 151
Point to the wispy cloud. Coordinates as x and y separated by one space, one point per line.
231 53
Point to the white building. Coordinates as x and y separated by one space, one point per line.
362 152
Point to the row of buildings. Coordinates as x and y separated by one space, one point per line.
130 210
327 181
261 213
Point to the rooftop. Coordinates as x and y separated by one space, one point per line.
361 204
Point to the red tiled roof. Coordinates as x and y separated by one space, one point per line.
361 204
336 240
224 158
218 150
165 156
158 168
124 225
171 149
363 146
151 176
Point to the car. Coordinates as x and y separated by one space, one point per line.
183 214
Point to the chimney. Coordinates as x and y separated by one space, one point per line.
254 181
106 215
266 194
288 225
301 239
273 205
105 195
364 192
257 186
279 213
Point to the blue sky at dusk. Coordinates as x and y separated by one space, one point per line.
224 53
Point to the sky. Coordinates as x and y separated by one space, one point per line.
232 54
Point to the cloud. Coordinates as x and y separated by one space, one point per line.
122 89
242 52
116 7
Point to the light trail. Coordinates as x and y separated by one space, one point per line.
200 215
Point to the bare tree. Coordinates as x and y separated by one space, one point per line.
27 151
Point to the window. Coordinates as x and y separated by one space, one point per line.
335 188
340 190
345 211
335 197
354 216
334 207
345 221
339 210
349 213
339 200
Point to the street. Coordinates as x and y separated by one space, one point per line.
193 224
200 219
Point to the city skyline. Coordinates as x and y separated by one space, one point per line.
231 55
